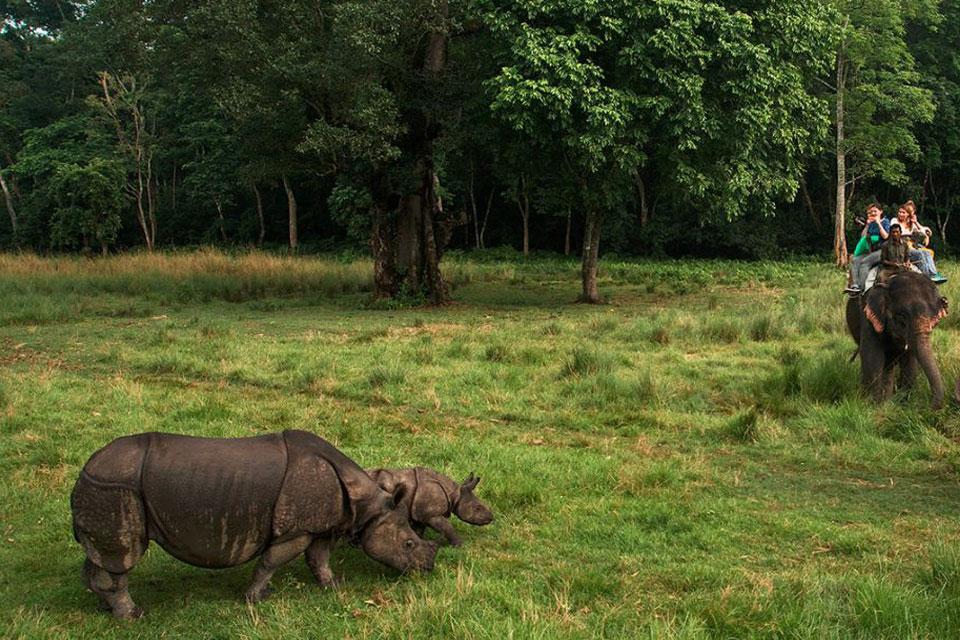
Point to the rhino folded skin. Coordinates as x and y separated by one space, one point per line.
219 502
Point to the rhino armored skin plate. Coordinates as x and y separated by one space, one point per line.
220 502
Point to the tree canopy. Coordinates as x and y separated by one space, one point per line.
668 127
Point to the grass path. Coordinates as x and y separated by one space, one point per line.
692 460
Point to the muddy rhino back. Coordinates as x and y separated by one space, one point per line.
210 501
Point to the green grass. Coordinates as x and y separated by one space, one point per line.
691 460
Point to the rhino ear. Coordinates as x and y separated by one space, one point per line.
385 480
399 493
470 483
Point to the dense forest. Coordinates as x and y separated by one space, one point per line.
739 128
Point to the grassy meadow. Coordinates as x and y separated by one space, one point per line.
691 460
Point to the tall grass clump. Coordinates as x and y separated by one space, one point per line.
587 362
942 575
742 428
724 330
382 375
765 327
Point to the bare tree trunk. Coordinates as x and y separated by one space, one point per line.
151 198
523 203
941 221
291 213
817 223
173 194
263 226
11 210
408 245
486 218
433 210
591 258
223 222
137 148
644 207
473 205
566 239
839 237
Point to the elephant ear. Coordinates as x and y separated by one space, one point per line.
876 310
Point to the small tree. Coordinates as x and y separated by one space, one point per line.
89 198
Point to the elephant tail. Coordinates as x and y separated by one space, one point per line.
857 352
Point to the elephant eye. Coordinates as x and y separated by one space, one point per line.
410 543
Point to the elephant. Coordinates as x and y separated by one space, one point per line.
892 323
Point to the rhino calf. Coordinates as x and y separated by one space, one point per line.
219 502
431 497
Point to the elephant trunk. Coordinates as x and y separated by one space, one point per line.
928 362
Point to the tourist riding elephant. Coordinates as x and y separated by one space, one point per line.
892 324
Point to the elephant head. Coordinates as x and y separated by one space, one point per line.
895 325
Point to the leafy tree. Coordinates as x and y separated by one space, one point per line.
89 199
878 99
937 52
714 93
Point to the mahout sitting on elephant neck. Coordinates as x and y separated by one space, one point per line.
892 326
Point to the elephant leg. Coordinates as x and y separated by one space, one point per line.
873 362
271 560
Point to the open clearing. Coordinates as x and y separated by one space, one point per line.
691 460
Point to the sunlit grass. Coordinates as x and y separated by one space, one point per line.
691 460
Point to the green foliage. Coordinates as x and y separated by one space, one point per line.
89 201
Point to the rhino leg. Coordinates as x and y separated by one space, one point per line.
271 560
112 590
318 559
109 522
442 525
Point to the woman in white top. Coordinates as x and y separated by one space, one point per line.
919 235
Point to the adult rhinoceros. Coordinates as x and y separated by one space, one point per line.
219 502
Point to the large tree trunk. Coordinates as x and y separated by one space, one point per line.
840 236
11 210
566 237
408 245
260 219
291 213
591 258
